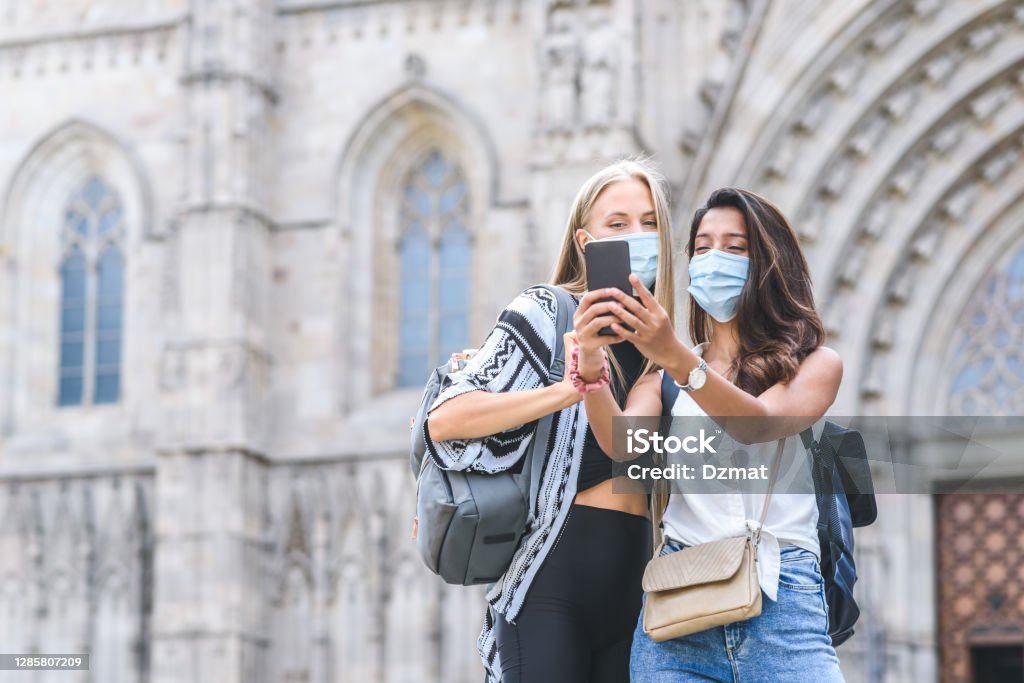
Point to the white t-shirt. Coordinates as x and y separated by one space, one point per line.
792 518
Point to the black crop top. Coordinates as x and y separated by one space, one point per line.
596 466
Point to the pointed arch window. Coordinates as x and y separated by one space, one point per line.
92 296
987 364
434 255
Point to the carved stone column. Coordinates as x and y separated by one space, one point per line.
209 614
587 112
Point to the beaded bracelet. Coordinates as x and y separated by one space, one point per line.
577 381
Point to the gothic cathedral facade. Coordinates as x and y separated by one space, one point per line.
234 234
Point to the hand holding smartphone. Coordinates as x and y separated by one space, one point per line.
608 266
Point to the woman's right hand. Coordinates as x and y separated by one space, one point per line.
591 317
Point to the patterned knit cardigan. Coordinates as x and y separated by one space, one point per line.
515 357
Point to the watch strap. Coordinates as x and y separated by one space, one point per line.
702 366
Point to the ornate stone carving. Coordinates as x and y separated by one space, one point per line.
888 34
947 137
986 105
560 60
851 268
848 73
960 202
600 74
901 286
415 66
810 224
996 169
877 221
941 67
926 243
735 21
875 379
867 137
899 105
924 9
781 163
985 36
906 178
812 113
837 178
835 315
883 333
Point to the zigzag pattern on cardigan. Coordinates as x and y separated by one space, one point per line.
515 357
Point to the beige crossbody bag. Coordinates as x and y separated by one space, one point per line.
704 585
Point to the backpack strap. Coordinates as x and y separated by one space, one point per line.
669 393
807 436
822 466
565 306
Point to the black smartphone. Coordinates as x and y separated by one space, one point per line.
608 266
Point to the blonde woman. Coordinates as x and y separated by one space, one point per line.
564 610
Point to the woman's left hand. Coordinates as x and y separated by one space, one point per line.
653 336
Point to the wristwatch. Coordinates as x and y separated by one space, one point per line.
697 377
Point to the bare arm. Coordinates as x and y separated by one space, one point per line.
482 418
800 402
643 399
645 396
478 414
791 407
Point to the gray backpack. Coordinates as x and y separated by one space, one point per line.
469 524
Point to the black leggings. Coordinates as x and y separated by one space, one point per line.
576 624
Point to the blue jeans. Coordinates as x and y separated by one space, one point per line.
787 643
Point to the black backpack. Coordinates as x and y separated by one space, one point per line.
846 499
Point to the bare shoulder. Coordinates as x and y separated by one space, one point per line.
645 396
827 355
824 363
651 381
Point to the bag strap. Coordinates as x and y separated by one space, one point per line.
807 436
669 393
771 486
565 306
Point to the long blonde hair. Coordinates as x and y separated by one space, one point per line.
571 269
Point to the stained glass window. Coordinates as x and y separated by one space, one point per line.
92 297
988 359
434 255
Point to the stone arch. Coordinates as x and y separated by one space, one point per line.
940 262
395 132
870 151
883 45
1001 239
30 217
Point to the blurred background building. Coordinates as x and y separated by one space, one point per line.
234 234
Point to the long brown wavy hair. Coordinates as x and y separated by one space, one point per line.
777 323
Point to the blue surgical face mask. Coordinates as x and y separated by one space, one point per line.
643 254
716 281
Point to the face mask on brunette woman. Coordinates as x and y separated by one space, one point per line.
716 281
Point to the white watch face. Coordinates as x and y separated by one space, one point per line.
697 378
